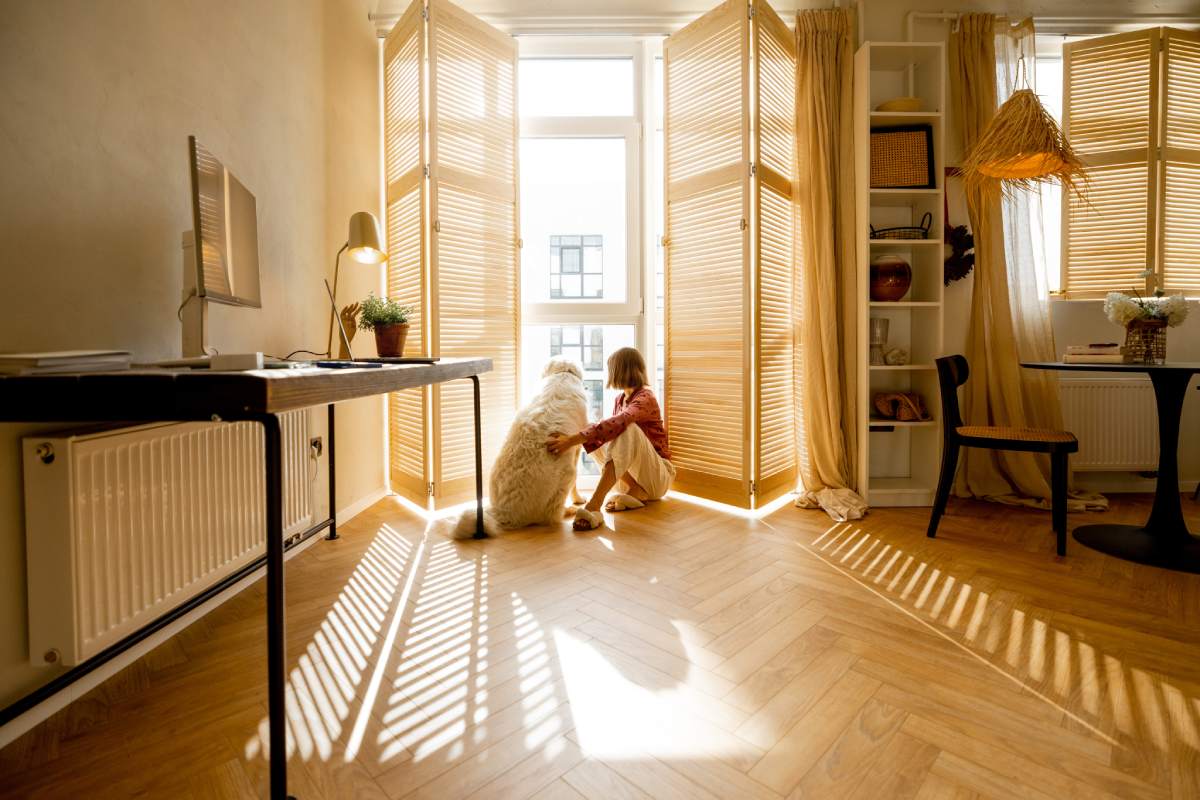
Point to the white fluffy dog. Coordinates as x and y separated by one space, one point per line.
529 486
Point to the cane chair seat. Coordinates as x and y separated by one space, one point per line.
1015 434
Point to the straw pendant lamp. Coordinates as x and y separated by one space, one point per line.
1023 146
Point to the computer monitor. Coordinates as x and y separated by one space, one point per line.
225 232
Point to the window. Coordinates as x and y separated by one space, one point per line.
590 346
590 206
584 344
577 267
575 208
576 87
1131 112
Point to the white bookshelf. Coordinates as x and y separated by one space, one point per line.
898 461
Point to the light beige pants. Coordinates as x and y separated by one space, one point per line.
632 452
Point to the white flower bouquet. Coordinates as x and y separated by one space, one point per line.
1124 309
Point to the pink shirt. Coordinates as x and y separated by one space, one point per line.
640 408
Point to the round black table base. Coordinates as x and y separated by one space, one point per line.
1135 543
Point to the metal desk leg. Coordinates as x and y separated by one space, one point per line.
276 631
333 534
479 531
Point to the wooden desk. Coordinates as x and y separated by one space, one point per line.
160 395
1164 540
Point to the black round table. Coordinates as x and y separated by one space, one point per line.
1164 540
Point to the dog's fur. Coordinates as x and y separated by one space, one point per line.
529 486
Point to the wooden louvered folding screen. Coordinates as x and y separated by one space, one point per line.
708 301
774 131
1142 150
1180 192
404 171
729 142
458 246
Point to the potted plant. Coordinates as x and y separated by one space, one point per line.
1145 320
389 320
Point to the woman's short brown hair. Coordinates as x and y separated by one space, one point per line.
626 369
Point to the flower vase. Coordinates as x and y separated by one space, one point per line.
1146 341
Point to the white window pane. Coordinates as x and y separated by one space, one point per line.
593 286
575 87
571 286
593 259
571 190
536 348
571 260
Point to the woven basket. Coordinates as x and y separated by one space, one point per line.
1146 341
905 231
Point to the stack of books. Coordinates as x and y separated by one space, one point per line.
1101 353
63 361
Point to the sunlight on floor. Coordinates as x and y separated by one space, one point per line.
616 718
1044 660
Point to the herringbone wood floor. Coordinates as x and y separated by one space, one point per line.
680 652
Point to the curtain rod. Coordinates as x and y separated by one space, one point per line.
1066 24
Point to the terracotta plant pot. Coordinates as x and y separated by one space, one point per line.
891 277
389 340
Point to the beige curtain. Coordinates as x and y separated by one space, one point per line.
1009 314
826 343
1024 244
994 390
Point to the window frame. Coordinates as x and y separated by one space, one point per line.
639 171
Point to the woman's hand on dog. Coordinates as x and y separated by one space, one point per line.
559 443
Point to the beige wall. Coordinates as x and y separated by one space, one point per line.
96 103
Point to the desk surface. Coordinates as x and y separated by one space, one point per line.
187 394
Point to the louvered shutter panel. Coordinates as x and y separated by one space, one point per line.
1180 257
708 300
473 258
774 130
404 163
1110 91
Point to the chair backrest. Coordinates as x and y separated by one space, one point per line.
952 373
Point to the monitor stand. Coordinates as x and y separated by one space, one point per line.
194 313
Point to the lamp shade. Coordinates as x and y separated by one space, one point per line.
363 240
1021 147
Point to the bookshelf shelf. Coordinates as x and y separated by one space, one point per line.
898 461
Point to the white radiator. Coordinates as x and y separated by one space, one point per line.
1115 422
124 525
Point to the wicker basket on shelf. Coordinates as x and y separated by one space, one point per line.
1146 341
905 231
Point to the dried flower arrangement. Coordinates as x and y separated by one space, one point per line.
1123 309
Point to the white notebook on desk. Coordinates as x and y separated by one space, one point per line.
60 361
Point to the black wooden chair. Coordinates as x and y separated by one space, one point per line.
952 373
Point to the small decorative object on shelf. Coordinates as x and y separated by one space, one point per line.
389 320
895 356
879 335
905 231
1145 320
891 277
901 406
905 105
